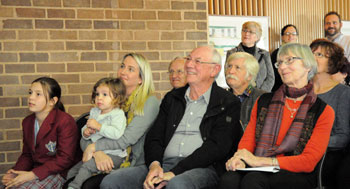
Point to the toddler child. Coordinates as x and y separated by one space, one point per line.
106 120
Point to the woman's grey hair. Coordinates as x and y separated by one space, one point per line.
250 63
256 25
302 51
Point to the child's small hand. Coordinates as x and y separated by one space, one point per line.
88 131
93 124
89 151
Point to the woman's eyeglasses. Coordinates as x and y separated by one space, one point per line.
287 62
248 31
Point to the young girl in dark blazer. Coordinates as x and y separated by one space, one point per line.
49 140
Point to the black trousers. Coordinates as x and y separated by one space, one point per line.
331 165
91 183
336 170
343 176
256 180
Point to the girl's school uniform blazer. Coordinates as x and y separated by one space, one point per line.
54 151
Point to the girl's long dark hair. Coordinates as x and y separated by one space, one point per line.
51 89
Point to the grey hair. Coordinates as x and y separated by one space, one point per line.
250 63
216 57
302 51
176 58
256 25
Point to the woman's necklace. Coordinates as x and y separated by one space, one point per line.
292 110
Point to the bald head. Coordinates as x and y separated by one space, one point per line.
202 65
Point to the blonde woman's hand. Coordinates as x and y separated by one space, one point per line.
103 162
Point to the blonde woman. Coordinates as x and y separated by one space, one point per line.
141 108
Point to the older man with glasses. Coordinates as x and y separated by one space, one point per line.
241 69
196 131
177 76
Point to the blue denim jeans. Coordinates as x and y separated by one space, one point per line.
133 177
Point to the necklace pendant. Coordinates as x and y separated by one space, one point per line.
291 116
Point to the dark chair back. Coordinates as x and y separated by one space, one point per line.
319 169
81 121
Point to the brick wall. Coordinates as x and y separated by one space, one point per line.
79 41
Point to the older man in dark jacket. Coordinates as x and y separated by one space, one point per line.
241 70
196 130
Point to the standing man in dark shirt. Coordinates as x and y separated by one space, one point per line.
332 30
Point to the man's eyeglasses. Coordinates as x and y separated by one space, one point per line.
287 62
178 72
290 33
320 55
197 61
248 31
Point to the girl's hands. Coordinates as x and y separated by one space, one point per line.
8 177
22 177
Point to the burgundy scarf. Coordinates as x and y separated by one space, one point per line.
266 145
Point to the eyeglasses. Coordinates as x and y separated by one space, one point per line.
290 33
197 61
287 62
178 72
248 31
320 55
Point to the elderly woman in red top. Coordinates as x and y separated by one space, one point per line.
289 128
